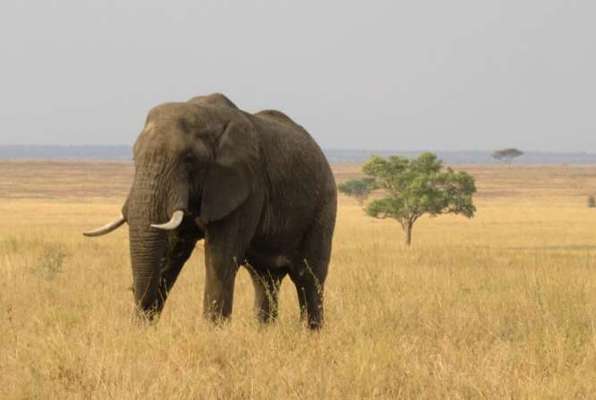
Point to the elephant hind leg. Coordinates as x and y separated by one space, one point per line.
309 275
310 290
267 284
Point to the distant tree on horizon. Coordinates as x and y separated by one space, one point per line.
418 186
357 188
507 155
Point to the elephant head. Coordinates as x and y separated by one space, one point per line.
195 163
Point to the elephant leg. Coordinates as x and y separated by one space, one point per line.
153 302
179 252
309 275
226 242
225 248
267 284
219 286
310 289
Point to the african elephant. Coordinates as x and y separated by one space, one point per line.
256 187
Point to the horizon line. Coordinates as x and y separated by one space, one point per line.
322 147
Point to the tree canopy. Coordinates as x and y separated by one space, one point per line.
414 187
507 155
357 188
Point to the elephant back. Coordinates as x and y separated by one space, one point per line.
214 99
277 116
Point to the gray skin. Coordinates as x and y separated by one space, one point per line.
256 187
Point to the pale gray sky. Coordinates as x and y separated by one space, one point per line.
407 75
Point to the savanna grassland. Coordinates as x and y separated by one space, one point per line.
499 306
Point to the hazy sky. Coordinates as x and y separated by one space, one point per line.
407 75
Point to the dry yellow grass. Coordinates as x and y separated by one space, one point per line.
500 306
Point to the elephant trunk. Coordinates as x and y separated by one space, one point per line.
153 198
147 252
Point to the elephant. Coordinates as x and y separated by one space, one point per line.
256 188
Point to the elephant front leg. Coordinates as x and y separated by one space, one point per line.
179 252
219 288
225 247
223 255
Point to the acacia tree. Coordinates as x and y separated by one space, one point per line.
419 186
507 155
357 188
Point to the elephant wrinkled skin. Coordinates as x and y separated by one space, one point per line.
256 187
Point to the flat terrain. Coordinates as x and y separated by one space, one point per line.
499 306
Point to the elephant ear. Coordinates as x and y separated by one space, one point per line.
230 179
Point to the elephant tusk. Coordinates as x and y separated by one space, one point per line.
104 230
174 223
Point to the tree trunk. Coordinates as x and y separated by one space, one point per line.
408 232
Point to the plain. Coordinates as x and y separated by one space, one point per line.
499 306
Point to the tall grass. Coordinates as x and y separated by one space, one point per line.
501 306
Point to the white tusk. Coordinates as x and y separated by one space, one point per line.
104 230
174 223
